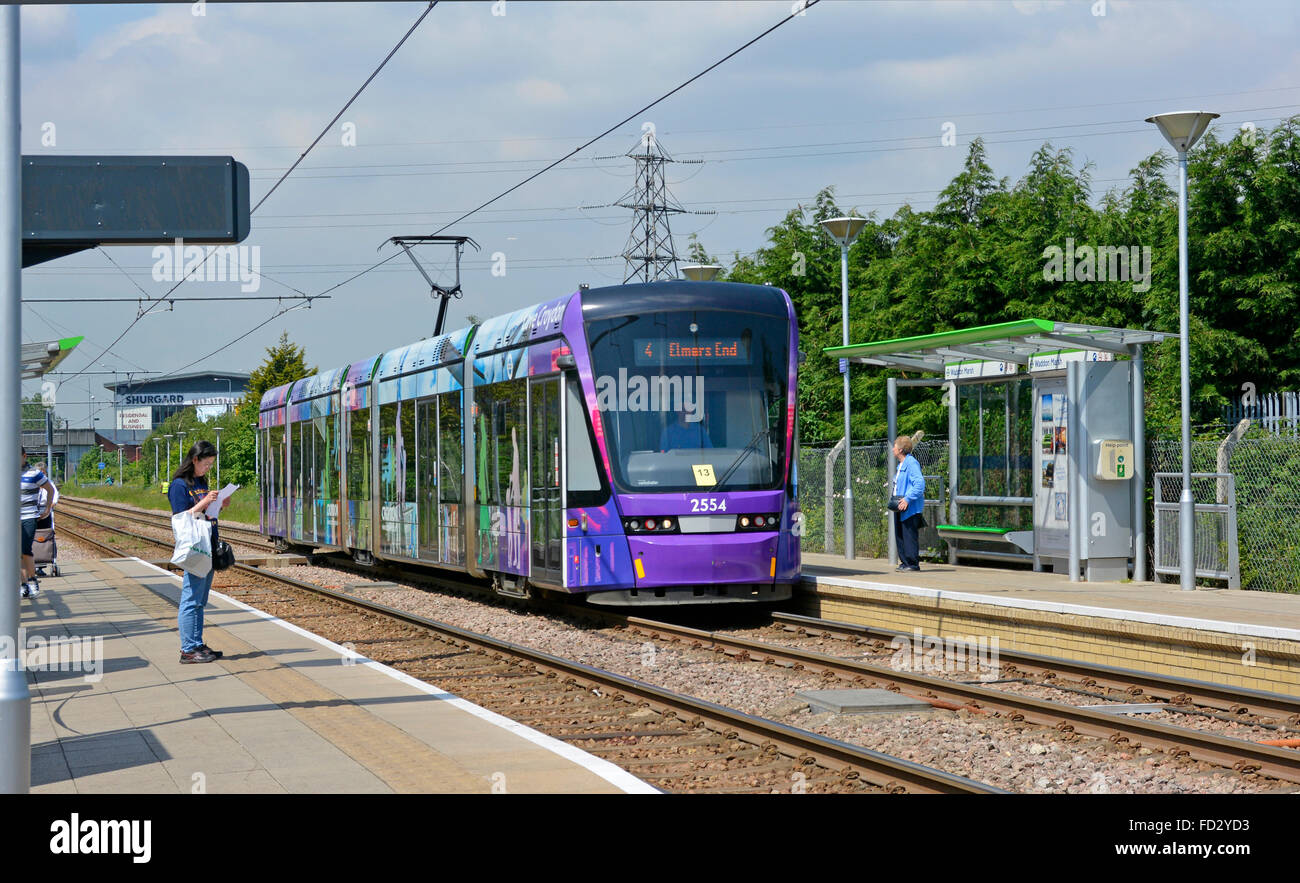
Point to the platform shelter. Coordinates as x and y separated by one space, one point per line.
1046 440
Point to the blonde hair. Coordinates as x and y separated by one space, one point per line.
904 444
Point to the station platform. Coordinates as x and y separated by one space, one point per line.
284 711
1240 638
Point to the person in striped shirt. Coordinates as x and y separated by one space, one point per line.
30 510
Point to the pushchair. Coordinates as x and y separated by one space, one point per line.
45 548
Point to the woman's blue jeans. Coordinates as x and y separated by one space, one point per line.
194 595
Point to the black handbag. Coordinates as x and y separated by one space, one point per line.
893 502
223 557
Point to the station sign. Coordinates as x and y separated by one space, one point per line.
977 368
135 419
1055 361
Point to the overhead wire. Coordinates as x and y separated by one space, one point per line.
591 141
355 95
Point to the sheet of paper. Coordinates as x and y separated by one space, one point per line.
222 495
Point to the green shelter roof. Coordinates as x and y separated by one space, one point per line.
1015 342
38 358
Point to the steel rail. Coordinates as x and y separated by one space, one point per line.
143 517
1280 763
1177 691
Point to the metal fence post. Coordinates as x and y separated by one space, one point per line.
829 513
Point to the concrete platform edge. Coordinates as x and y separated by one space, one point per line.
1211 625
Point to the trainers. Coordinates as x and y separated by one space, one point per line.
198 655
25 592
216 653
34 590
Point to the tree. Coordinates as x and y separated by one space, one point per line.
285 362
33 412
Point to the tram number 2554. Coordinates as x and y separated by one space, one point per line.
708 504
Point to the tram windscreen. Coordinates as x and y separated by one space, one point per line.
692 400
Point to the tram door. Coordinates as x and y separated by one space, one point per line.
547 537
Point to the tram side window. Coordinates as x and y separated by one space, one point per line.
427 454
323 450
359 458
502 442
397 452
388 452
451 466
408 450
273 472
583 473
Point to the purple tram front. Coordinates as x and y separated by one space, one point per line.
691 391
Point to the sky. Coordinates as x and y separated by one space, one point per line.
852 94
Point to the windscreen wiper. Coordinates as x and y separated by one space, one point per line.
734 463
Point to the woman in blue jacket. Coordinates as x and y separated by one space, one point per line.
909 487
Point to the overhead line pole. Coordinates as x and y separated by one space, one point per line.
15 699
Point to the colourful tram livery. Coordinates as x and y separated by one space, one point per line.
634 444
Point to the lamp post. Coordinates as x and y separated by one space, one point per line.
155 461
1182 129
701 272
180 449
169 450
217 429
844 231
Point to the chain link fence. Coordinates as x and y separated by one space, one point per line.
824 530
1266 471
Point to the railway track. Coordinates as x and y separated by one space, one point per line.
1238 754
675 741
253 537
1129 684
1068 720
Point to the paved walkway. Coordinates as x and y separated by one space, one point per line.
283 711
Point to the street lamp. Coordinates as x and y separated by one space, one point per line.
169 450
217 430
1181 130
844 231
180 449
701 272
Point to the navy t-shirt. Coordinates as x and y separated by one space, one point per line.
186 494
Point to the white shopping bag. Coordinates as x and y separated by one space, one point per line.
193 544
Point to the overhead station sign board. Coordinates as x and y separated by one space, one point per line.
135 419
70 203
